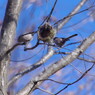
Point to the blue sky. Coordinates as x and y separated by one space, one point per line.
27 20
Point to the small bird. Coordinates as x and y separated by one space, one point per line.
61 41
46 33
26 38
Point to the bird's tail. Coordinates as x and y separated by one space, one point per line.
71 36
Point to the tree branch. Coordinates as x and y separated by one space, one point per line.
32 67
76 80
7 36
58 65
64 21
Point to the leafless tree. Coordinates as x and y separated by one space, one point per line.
7 46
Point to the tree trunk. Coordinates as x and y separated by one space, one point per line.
7 36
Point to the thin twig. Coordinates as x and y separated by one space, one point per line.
73 14
53 68
76 80
46 91
51 11
27 58
87 60
48 17
53 81
31 67
11 49
75 24
32 47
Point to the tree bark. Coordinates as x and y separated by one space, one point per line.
35 82
7 36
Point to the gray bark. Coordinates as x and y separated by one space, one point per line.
35 82
7 36
31 86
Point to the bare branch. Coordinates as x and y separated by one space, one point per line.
52 11
9 50
87 60
32 47
53 81
25 59
32 67
76 80
59 65
64 21
49 16
46 91
7 36
80 58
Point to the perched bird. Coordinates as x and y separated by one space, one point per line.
26 38
46 33
61 41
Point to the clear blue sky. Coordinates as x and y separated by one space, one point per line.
31 16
